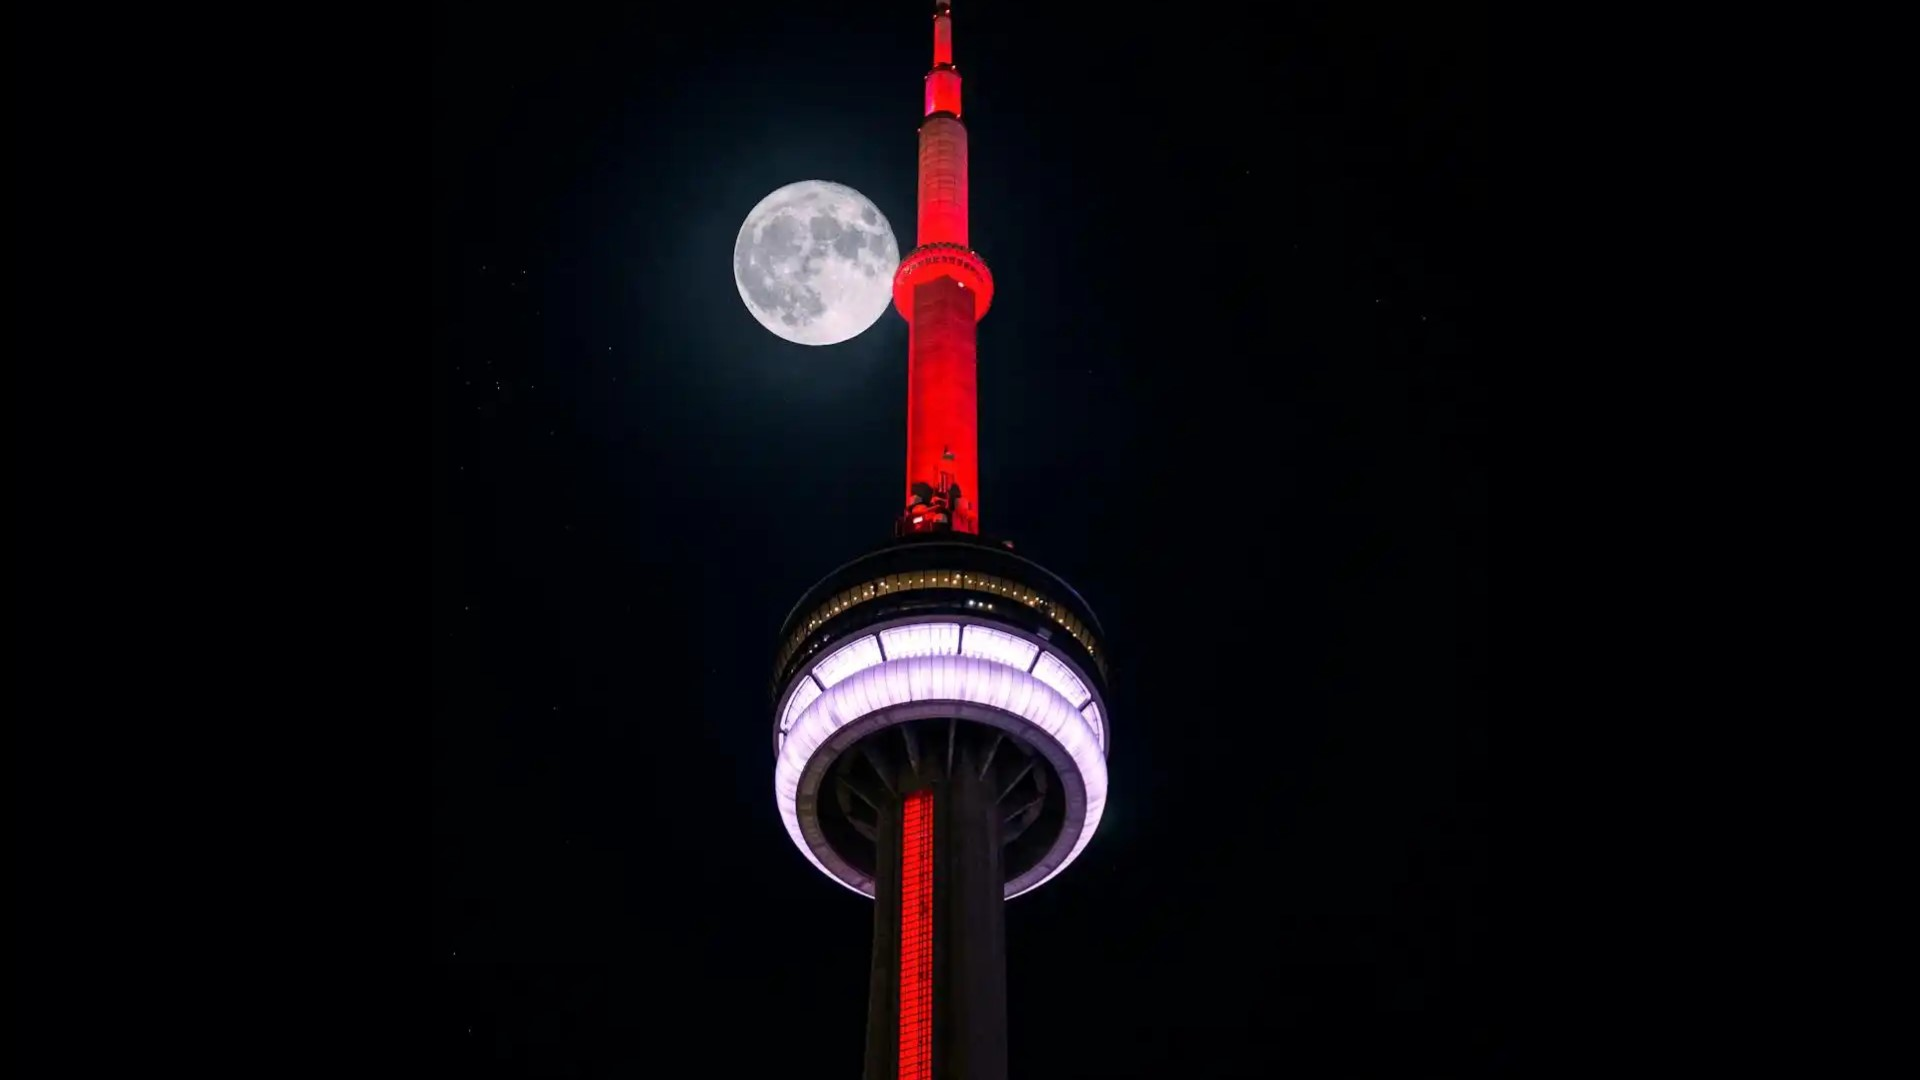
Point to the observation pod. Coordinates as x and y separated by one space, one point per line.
940 741
936 649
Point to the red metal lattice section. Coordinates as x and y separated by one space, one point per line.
916 937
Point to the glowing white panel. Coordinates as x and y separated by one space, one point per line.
856 655
1061 677
1092 713
925 639
803 696
997 646
942 678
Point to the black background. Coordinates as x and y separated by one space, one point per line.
1231 388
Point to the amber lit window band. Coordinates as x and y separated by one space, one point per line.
916 936
941 579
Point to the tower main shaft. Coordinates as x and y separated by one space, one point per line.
942 289
940 734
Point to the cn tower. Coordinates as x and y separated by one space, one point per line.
940 731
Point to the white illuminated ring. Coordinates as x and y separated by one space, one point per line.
927 669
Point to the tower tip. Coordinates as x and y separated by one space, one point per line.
942 33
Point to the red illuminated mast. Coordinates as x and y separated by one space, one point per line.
942 289
940 724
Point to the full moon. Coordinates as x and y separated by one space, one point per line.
815 262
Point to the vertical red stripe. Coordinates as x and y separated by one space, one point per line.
916 937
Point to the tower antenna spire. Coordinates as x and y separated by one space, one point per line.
939 716
942 289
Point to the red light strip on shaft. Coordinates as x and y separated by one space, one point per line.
916 937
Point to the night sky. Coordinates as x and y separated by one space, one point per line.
1230 388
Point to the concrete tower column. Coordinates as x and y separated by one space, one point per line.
968 930
942 288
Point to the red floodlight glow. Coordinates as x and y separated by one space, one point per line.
942 289
916 937
942 39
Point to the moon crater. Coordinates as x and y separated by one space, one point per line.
814 262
